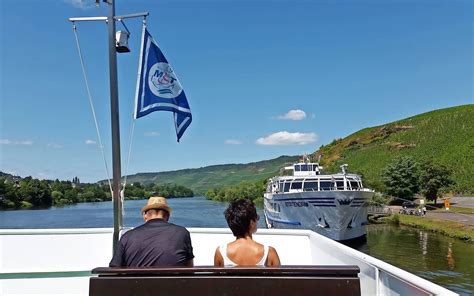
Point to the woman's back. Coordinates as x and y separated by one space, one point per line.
247 253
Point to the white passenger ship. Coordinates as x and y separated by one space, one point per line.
333 205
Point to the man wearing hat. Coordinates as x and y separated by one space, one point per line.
155 243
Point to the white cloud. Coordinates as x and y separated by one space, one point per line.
14 143
90 142
233 142
286 138
82 4
152 134
293 115
55 146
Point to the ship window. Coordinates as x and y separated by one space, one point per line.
281 186
287 187
296 185
325 185
304 167
340 184
310 186
297 168
354 185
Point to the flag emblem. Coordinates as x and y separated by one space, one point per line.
162 81
158 88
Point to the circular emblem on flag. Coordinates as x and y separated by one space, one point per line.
162 81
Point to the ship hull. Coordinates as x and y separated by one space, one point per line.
339 215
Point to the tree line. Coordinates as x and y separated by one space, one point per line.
28 192
138 191
253 191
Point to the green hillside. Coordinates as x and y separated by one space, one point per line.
445 136
201 179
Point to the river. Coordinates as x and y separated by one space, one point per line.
440 259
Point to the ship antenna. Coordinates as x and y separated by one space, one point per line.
343 168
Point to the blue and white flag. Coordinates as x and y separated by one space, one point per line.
158 88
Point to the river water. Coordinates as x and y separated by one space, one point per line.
440 259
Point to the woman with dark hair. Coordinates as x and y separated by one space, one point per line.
241 216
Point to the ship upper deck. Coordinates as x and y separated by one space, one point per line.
308 177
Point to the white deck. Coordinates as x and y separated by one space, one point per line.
58 262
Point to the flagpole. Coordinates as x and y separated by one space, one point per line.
114 111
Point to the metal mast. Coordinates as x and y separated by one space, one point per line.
114 111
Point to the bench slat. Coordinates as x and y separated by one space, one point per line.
237 281
340 270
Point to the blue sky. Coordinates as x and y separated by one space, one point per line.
263 78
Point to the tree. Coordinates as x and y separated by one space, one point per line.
401 177
57 197
433 178
7 194
45 198
72 195
137 185
35 192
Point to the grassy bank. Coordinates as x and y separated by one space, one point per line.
458 210
448 228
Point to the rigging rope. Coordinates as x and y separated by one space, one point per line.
130 139
132 129
92 106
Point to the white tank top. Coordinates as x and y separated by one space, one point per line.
230 263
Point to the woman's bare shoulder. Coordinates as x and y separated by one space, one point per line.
218 260
273 258
272 250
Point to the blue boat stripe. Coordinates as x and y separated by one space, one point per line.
306 199
321 201
284 221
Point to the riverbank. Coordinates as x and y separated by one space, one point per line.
449 228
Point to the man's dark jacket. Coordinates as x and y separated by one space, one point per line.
155 243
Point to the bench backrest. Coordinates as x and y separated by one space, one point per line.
238 281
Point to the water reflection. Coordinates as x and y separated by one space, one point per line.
423 238
426 254
450 257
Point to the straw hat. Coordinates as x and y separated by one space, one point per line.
157 203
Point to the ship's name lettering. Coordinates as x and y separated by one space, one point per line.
296 204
